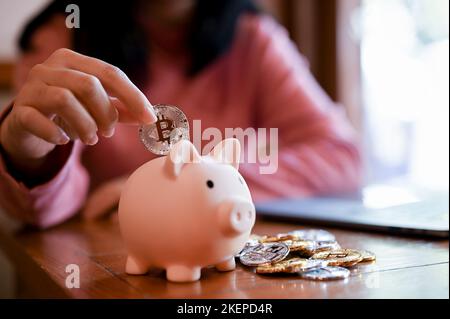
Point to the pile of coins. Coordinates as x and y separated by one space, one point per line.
311 254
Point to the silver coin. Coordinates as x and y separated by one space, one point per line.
172 126
326 246
302 247
253 240
326 273
264 254
250 243
313 234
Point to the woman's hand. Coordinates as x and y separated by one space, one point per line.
89 96
104 199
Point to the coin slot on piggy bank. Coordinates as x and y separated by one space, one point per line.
183 212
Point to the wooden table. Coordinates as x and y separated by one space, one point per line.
406 268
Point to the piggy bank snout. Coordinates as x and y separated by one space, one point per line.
236 216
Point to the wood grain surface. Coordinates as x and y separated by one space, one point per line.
405 268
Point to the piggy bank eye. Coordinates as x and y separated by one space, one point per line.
210 184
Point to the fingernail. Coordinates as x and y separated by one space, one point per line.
151 115
92 140
63 139
109 132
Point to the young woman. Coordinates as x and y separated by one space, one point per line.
222 62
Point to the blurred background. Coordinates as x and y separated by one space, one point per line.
385 61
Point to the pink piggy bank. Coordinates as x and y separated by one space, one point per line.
184 211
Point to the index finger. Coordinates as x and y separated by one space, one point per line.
112 78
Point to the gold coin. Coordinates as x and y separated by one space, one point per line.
274 268
340 257
302 246
278 238
292 265
305 248
367 256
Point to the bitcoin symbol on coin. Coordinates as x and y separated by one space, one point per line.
340 257
164 126
337 255
171 126
263 254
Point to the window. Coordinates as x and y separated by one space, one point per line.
405 71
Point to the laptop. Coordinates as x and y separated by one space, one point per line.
381 208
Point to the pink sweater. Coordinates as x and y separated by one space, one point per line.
261 82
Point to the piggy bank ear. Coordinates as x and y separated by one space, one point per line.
228 152
182 153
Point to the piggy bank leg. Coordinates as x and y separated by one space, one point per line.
226 265
135 267
179 273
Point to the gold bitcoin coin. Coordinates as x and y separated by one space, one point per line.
302 246
367 256
171 126
340 257
289 266
278 238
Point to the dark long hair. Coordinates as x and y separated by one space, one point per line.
110 31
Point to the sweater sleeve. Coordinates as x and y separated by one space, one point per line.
318 152
55 200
